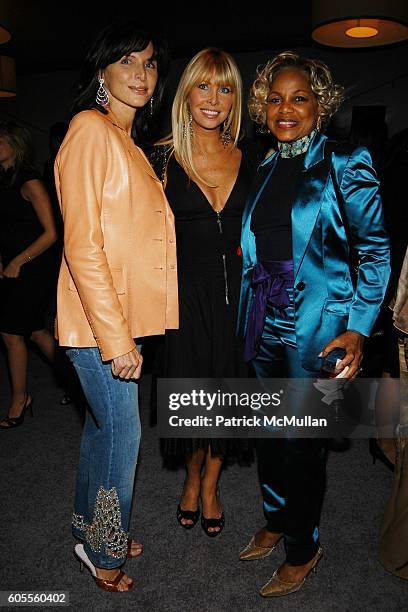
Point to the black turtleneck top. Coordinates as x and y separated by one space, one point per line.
271 219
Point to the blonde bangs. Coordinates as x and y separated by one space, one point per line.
215 69
208 65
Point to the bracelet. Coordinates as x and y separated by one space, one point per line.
28 256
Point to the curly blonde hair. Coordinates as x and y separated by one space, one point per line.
328 94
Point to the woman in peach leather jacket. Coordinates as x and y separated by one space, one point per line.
117 280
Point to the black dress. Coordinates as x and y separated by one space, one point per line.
209 279
23 300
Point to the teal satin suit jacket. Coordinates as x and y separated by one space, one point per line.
336 218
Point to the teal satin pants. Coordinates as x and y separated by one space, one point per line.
291 470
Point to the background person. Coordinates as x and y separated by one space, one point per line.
27 231
394 528
396 218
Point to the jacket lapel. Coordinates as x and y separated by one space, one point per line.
134 151
309 198
248 244
141 158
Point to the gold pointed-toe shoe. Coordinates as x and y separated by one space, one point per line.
251 552
275 587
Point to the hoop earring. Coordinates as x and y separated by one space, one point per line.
102 96
151 106
188 129
226 136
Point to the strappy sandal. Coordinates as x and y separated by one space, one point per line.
129 549
213 523
111 586
11 422
187 515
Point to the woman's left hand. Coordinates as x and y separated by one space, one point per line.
12 270
352 342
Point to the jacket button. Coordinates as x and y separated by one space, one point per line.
300 286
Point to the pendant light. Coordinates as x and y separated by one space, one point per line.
359 23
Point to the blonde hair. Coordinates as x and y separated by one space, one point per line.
328 94
19 138
210 63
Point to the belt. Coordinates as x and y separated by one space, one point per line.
270 280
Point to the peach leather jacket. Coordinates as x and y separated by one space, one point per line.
118 277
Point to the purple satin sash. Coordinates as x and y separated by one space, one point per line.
270 280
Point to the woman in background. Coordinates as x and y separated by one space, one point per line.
27 231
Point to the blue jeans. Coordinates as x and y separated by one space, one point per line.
108 456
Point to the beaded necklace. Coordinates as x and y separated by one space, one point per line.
297 147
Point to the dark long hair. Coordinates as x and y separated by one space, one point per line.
113 42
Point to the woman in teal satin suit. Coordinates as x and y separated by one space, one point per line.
314 205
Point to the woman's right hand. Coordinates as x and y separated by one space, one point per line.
127 366
12 270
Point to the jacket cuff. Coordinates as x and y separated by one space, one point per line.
360 327
111 349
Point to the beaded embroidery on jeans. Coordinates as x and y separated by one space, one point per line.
78 522
106 527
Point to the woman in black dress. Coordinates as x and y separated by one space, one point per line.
206 176
27 231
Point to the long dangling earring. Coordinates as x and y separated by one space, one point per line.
188 129
151 106
226 136
319 123
102 96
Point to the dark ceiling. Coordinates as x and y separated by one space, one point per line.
51 35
